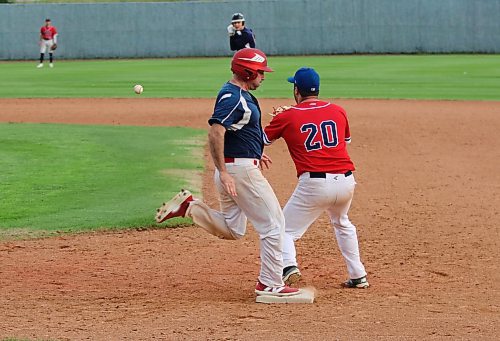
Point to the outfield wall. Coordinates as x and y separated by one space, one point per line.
285 27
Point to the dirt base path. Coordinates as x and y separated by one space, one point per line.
426 207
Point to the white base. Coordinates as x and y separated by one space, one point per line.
306 295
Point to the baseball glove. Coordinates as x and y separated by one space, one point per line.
279 110
53 47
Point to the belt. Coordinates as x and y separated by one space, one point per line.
321 175
236 160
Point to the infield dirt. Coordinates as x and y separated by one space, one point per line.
426 208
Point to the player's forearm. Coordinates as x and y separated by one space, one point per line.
55 39
216 143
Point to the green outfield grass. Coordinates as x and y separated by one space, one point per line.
455 77
58 177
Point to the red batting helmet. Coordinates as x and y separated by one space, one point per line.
247 62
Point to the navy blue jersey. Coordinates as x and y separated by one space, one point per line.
242 39
238 111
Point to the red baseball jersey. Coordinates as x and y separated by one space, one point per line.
48 33
316 133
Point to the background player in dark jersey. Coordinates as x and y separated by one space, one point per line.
316 133
236 145
240 36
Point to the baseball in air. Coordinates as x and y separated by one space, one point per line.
138 89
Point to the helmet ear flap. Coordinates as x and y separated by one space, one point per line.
244 72
251 74
248 62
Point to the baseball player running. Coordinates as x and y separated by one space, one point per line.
316 133
48 41
236 144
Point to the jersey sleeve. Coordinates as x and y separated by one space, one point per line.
232 42
347 137
251 39
274 129
226 110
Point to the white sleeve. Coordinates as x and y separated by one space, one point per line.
55 38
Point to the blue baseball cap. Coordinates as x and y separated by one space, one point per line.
306 79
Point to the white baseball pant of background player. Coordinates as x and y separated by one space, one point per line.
45 45
255 200
310 199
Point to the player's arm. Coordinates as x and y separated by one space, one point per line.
347 137
223 118
216 143
251 39
233 43
55 38
273 130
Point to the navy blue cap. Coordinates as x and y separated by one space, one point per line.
306 79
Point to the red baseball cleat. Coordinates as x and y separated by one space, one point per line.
261 290
176 207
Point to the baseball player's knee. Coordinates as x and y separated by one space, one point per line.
344 227
273 233
236 236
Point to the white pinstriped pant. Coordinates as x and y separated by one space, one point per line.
255 200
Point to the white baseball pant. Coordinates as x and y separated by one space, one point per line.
310 199
46 45
256 200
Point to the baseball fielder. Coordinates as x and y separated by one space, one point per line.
240 37
316 133
236 143
48 41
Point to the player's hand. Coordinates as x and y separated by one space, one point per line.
265 161
279 110
228 183
231 30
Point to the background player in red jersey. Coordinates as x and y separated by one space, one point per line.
316 133
48 40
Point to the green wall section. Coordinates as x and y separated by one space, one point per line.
284 27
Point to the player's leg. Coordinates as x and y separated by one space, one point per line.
345 231
305 205
229 223
183 204
257 199
51 52
43 48
212 221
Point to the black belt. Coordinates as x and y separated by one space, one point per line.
321 175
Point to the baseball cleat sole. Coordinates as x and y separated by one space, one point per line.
176 207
